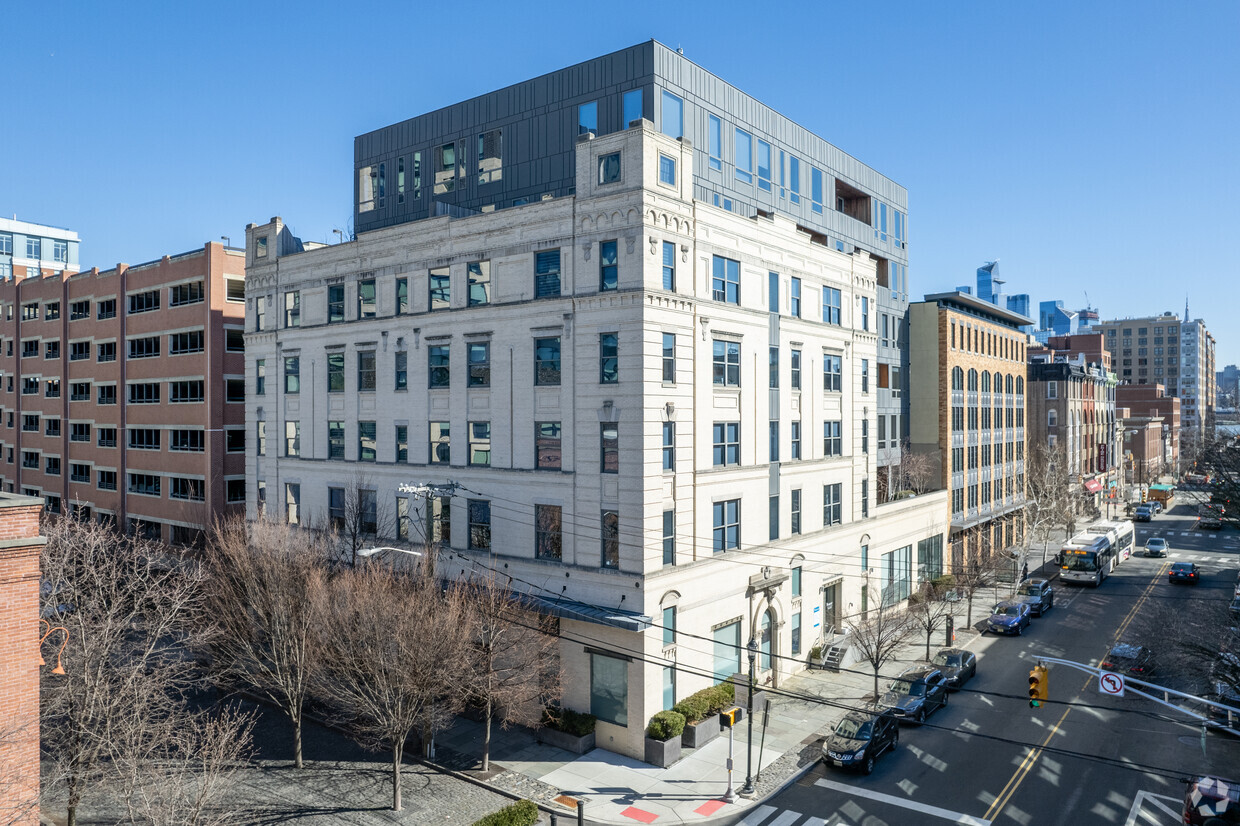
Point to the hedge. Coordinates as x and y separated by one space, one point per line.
521 813
665 725
700 705
568 721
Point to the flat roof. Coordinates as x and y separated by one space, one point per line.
980 306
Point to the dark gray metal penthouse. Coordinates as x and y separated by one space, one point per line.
515 145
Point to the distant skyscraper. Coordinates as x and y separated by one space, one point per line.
989 284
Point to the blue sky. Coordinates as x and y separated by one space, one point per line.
1088 146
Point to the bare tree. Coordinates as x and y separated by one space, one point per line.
930 612
265 600
1050 499
515 669
1197 638
970 577
916 471
359 516
879 635
395 657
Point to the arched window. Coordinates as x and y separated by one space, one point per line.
957 378
1009 385
1020 386
998 382
767 621
973 381
985 382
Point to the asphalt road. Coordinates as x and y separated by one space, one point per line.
1083 758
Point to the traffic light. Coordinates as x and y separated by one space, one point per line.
1144 495
1038 685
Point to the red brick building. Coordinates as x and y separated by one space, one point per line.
1146 402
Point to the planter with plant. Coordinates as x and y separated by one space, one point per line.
663 735
567 729
701 711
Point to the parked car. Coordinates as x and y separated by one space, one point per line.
1184 572
860 738
1156 505
1126 658
1143 513
916 694
1009 617
1156 547
1211 800
958 666
1038 595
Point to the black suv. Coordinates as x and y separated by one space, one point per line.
916 694
1038 595
1133 660
860 739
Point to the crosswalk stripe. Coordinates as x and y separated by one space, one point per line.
786 819
756 817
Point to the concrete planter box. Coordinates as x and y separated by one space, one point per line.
566 741
662 753
699 734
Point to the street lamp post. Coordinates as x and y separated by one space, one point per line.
747 790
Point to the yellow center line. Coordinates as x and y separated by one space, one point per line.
1026 765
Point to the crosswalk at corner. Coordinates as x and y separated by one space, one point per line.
1151 809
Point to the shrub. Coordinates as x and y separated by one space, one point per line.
943 583
815 654
665 725
701 704
694 708
721 697
521 813
568 721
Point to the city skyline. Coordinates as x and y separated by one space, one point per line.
1052 139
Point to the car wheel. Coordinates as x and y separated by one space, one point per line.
868 766
1020 629
895 739
921 716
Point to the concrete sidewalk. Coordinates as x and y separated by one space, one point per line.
620 790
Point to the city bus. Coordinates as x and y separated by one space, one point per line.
1121 532
1087 559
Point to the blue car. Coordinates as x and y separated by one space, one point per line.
1009 618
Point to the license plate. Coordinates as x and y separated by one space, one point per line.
838 762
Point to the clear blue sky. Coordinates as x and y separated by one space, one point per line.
1089 146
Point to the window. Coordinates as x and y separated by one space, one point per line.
79 473
795 369
865 375
79 310
865 313
608 265
146 484
105 309
1052 390
727 525
930 558
548 526
673 115
292 438
832 442
366 371
181 294
51 312
440 289
774 441
865 498
609 168
669 358
587 118
335 440
191 441
144 439
830 305
107 394
608 358
30 423
794 179
773 291
609 448
743 151
182 392
193 490
895 576
796 441
727 443
260 313
727 363
773 372
865 435
491 157
795 295
609 681
30 386
796 633
669 625
479 286
669 445
367 442
610 540
30 348
107 437
144 393
796 581
182 343
632 107
479 524
234 440
831 504
234 490
335 372
30 312
51 350
438 363
335 303
547 445
547 274
79 432
144 302
292 503
6 243
402 296
714 138
547 361
30 459
105 480
440 444
815 189
725 282
52 428
234 340
143 348
669 537
292 308
234 290
667 170
669 265
480 444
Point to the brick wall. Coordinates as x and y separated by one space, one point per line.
19 661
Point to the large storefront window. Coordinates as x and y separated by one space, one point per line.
897 570
727 651
609 689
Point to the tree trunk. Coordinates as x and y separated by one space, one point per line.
71 815
396 754
486 737
969 619
876 684
297 762
929 632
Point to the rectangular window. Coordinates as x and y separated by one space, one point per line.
479 283
438 363
79 432
105 309
260 313
609 168
609 448
146 484
191 441
79 473
632 107
292 438
794 179
865 498
182 294
51 350
234 340
865 435
727 525
234 290
547 274
402 296
895 575
609 684
335 372
815 189
193 490
548 532
366 371
144 348
491 157
479 524
144 393
865 375
440 443
292 503
610 540
832 441
292 308
669 537
830 305
608 265
774 441
105 480
144 302
335 440
608 358
335 303
547 450
669 625
773 369
51 312
795 296
144 439
796 633
669 445
51 428
727 443
182 343
547 361
714 141
79 310
107 394
832 504
865 313
744 156
795 369
667 170
773 517
30 423
440 281
673 121
764 165
367 442
727 363
796 441
587 118
185 392
725 282
480 444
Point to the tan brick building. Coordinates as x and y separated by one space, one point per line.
122 392
967 382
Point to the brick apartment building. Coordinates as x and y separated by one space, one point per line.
122 392
1151 428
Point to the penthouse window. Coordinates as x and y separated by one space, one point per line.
182 294
144 302
632 106
725 283
673 115
744 156
445 168
609 168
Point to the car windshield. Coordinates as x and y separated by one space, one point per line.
1006 610
950 660
1156 543
912 689
853 729
1031 591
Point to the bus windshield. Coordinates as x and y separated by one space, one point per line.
1083 562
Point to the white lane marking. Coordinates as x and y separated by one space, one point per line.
756 816
1139 814
892 800
786 819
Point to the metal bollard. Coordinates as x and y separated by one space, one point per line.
581 813
555 820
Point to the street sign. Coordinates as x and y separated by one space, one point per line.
1112 684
